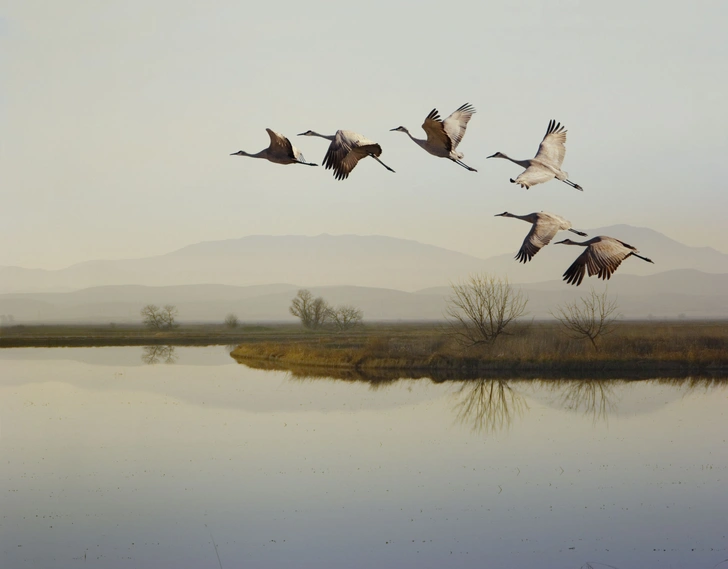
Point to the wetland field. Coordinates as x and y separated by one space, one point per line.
164 456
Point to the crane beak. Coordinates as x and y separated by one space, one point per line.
301 134
492 155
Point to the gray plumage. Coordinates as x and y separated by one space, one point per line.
546 165
543 228
280 151
443 136
602 257
345 151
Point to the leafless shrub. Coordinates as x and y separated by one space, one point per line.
589 317
345 317
231 321
481 308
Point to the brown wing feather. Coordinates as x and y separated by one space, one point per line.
435 130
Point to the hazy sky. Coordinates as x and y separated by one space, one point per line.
118 118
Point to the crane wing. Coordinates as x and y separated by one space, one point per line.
435 130
540 235
601 258
552 149
279 144
457 122
346 150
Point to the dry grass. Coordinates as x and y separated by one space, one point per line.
696 346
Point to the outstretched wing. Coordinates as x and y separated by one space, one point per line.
457 122
346 150
436 135
280 145
601 258
540 235
552 149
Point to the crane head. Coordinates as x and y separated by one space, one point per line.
307 133
504 214
496 155
238 153
566 242
399 128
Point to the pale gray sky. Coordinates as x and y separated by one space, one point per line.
118 119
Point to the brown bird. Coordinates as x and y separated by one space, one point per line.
544 227
602 257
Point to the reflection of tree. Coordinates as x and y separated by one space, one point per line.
488 404
593 397
155 354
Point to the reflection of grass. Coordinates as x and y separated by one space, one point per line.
633 347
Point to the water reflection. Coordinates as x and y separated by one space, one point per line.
158 354
595 397
488 405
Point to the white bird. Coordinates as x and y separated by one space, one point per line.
546 165
544 227
345 151
443 137
280 151
602 257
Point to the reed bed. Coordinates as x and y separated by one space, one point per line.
694 346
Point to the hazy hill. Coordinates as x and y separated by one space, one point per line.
368 261
665 295
259 259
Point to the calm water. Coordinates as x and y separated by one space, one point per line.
112 457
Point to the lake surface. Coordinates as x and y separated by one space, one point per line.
141 458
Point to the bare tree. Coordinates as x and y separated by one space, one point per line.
345 317
159 318
589 317
481 308
231 321
313 312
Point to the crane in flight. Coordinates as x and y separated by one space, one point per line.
280 151
345 151
546 165
602 257
443 136
543 228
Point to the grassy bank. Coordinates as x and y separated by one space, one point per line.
642 349
80 335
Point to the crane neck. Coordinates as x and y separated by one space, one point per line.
523 163
326 136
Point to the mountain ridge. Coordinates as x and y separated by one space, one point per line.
333 260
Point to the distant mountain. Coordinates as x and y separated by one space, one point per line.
368 261
259 259
693 294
